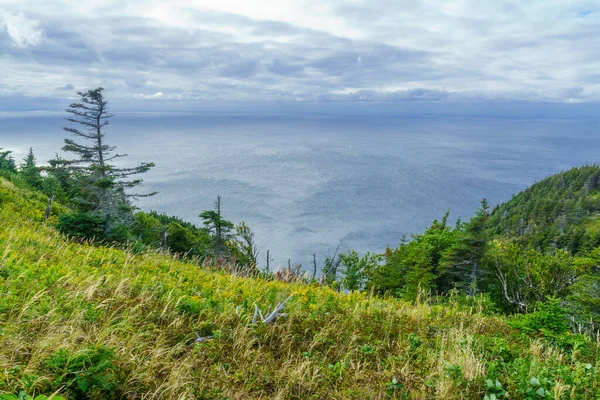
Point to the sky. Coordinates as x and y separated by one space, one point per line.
303 54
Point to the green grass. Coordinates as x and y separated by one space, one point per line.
82 321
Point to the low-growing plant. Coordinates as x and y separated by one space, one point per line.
25 396
90 373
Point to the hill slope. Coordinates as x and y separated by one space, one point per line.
559 211
93 322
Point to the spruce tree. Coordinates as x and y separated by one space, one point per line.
7 162
246 247
461 264
59 181
220 229
102 185
30 172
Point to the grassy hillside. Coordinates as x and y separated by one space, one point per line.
559 211
90 322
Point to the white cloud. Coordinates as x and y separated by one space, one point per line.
238 50
22 31
156 95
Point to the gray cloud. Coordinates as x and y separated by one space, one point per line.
360 51
68 86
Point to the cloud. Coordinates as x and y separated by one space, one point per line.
304 50
156 95
22 31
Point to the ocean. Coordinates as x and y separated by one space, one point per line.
308 183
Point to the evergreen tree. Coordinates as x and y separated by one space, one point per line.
462 262
356 269
7 162
30 172
415 266
220 229
102 184
246 247
58 181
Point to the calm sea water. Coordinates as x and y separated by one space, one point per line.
307 183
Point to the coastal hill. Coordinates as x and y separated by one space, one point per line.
561 211
79 320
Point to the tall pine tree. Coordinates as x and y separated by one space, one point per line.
102 185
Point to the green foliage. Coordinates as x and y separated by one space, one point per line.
549 319
394 388
494 390
63 302
7 163
147 228
539 389
583 299
180 240
557 212
94 184
415 266
186 241
24 396
89 373
329 274
245 248
520 278
30 172
462 262
81 225
220 229
357 269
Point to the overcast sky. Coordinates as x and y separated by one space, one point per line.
208 52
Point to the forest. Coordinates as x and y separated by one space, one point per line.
458 308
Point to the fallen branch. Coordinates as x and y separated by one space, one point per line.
270 316
200 339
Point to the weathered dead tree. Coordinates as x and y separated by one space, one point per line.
49 208
200 339
270 316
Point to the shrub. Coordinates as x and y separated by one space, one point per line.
90 373
81 225
550 319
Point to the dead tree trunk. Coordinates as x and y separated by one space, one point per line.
270 316
49 208
268 261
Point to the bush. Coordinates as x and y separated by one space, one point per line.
549 319
90 373
81 225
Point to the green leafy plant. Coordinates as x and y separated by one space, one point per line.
393 386
494 390
90 372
